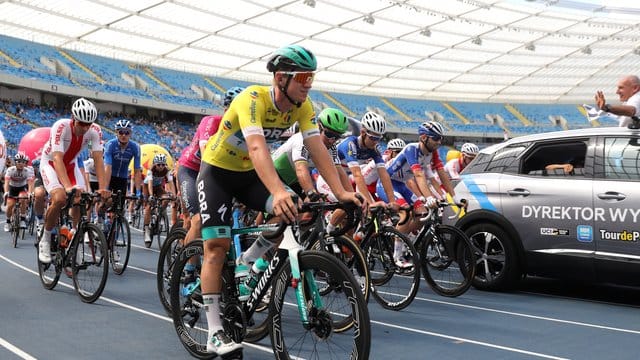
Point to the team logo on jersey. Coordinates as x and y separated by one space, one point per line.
253 94
226 125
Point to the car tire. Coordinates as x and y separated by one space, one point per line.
498 264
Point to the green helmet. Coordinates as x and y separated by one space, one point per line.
292 58
333 119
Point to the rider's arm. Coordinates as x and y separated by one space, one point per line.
344 178
100 170
361 185
386 184
446 182
303 175
421 181
325 165
137 180
61 170
261 160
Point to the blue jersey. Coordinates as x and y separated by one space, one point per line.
119 159
351 154
411 158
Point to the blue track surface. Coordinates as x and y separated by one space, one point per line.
542 319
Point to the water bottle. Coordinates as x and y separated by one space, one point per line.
241 273
64 237
256 271
358 236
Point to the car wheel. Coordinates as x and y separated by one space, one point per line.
497 263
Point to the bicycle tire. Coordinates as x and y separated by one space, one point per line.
317 340
393 287
448 261
121 244
166 260
15 224
189 319
89 262
162 229
50 273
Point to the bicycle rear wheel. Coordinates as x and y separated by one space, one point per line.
89 262
15 224
120 247
448 261
318 339
50 273
166 261
395 282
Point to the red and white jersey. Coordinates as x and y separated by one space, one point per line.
3 152
370 170
19 178
63 140
453 167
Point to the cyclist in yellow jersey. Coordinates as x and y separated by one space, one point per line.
237 163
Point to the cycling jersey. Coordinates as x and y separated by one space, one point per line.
453 167
63 140
293 150
120 158
90 168
191 156
411 159
19 178
158 178
352 154
253 112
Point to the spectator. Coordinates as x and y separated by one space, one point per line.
628 91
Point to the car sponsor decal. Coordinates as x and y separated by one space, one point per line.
477 193
585 233
624 235
553 231
581 213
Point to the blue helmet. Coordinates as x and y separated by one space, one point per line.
431 128
230 95
123 124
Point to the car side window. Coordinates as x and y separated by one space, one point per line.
556 159
622 158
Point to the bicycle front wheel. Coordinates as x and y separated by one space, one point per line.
50 273
393 264
90 259
162 229
448 261
166 261
120 246
317 339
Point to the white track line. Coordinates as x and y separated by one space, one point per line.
14 349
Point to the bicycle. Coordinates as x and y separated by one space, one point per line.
305 330
448 258
16 230
136 214
394 286
119 234
159 225
31 217
83 255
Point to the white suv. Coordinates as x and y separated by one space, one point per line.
579 221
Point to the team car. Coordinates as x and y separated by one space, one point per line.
562 204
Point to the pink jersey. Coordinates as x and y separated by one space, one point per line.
63 140
190 156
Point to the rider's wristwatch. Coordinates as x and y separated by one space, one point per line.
606 108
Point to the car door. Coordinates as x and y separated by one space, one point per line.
552 211
616 191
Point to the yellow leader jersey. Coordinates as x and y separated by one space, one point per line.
253 112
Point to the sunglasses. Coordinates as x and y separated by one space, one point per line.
373 137
124 132
301 77
21 161
83 125
435 137
331 135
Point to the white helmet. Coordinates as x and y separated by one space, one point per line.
84 111
374 123
469 149
396 144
